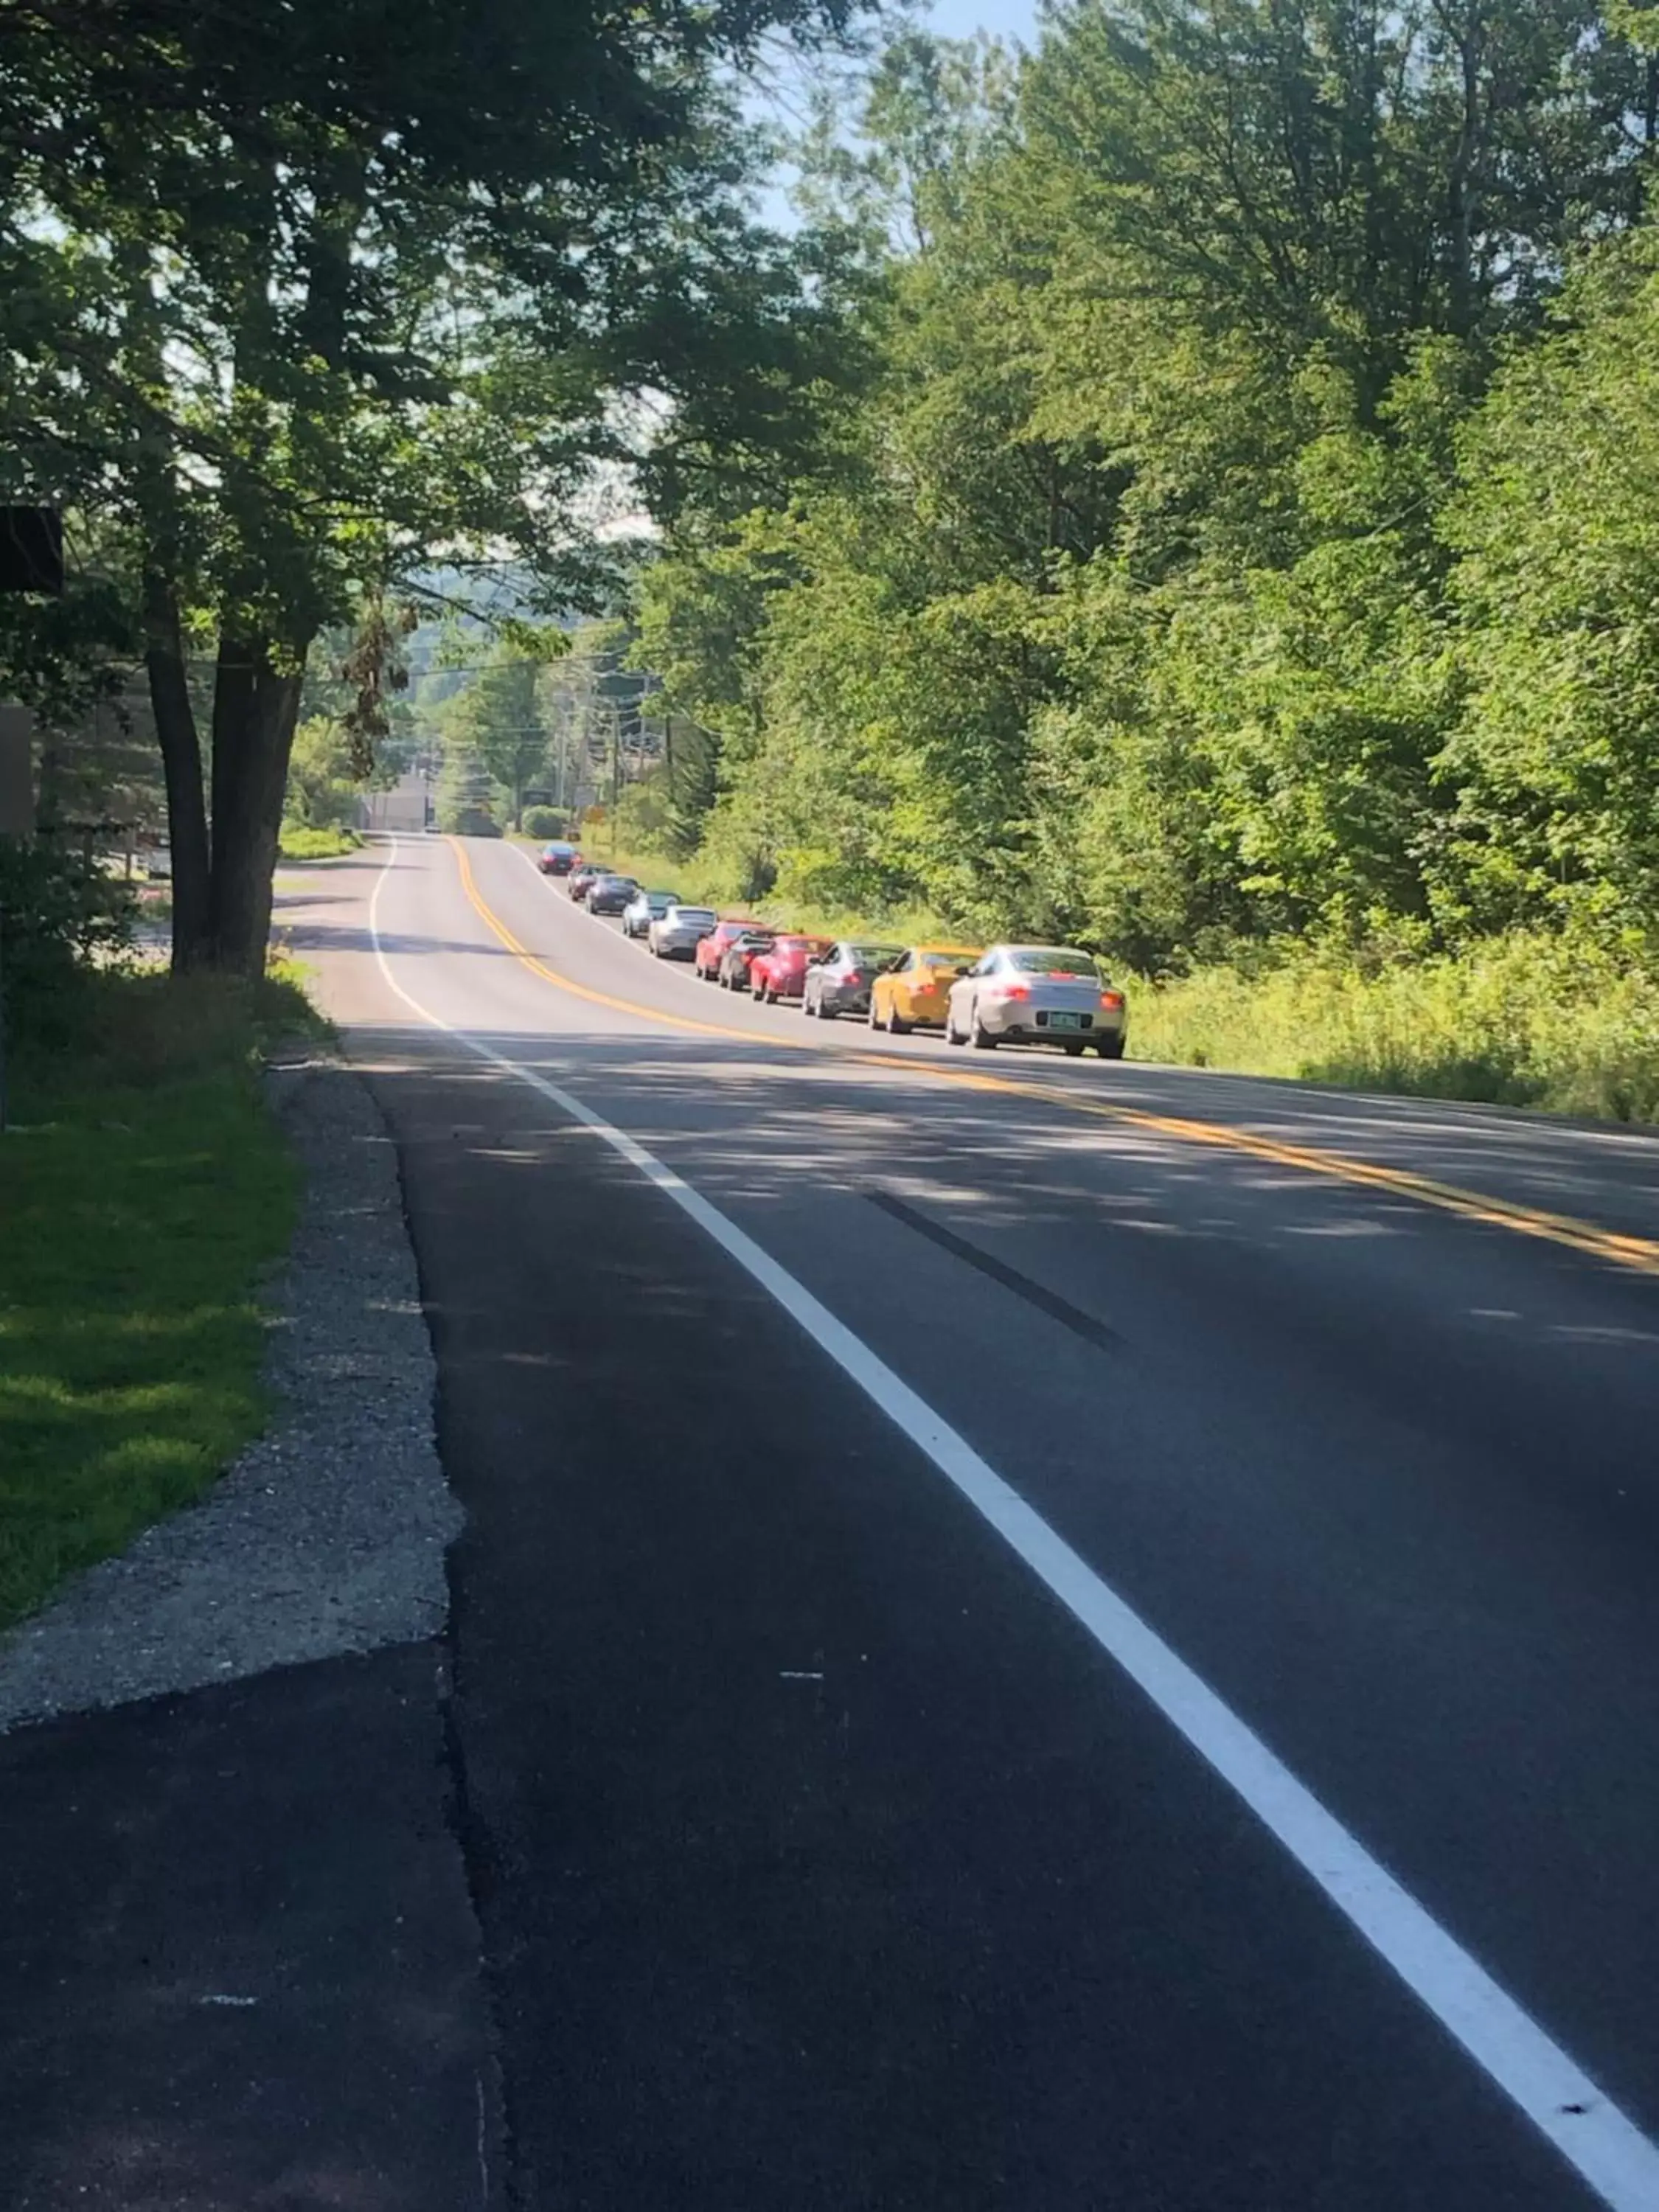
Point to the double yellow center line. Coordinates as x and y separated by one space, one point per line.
1640 1253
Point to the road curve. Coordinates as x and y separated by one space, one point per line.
827 1856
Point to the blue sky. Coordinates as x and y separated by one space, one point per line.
950 19
1009 19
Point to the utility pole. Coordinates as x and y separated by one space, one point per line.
616 771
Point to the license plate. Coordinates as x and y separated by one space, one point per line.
1065 1021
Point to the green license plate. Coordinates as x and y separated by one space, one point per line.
1065 1021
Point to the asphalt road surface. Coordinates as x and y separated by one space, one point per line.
1031 1635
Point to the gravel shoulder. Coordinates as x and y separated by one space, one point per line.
328 1536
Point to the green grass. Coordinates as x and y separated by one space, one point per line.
300 843
145 1191
1522 1020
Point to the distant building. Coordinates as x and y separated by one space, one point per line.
403 809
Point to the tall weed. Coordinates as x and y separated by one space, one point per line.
1522 1020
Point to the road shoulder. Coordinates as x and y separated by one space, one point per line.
240 1955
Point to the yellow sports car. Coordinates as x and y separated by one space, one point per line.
915 992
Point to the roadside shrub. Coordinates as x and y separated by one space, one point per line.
543 822
301 842
467 819
1524 1019
60 917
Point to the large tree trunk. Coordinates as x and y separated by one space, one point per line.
181 763
256 705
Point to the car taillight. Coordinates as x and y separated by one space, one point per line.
1012 990
855 976
1114 999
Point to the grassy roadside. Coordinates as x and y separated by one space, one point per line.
300 843
1522 1020
144 1189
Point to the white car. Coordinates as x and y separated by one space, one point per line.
645 908
677 934
1038 994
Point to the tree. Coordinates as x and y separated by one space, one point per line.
322 785
1176 574
499 729
298 304
1554 762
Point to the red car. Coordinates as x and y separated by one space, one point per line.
711 949
781 973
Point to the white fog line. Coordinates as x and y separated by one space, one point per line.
1541 2080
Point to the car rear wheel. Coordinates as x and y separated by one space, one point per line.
952 1033
1073 1051
983 1041
1110 1048
895 1026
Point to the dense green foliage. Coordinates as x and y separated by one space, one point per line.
300 302
1523 1019
1247 535
61 917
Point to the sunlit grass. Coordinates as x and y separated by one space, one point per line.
1524 1020
145 1192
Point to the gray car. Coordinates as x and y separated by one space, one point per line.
1038 994
645 908
840 982
678 933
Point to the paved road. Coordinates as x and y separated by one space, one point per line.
826 1857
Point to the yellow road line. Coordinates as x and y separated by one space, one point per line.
1639 1252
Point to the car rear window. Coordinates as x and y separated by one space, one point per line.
695 913
1038 962
947 960
865 956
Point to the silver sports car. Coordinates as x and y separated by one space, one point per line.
677 934
1038 994
645 908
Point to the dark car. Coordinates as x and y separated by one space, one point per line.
582 878
611 894
840 982
557 859
732 974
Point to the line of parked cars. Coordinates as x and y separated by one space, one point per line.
982 996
